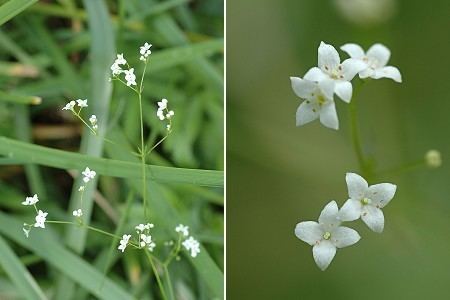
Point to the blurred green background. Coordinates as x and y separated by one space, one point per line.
279 175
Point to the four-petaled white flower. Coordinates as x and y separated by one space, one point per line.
82 103
124 242
366 201
146 240
69 106
88 174
192 245
184 230
318 102
115 67
145 51
40 219
31 200
375 60
130 77
77 213
326 235
330 67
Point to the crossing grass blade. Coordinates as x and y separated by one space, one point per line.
69 264
23 280
67 160
12 8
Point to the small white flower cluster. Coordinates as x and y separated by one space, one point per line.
77 213
93 121
145 240
116 69
164 113
327 235
88 174
145 51
189 243
79 102
40 217
319 84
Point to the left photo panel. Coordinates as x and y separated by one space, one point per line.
112 149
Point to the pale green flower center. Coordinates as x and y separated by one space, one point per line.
365 201
326 235
321 99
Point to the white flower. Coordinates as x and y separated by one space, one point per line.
82 103
130 77
93 119
77 213
326 235
148 226
182 229
31 200
375 60
366 201
151 246
170 114
192 245
140 227
160 115
69 106
124 242
88 174
168 127
81 188
318 102
145 51
40 219
330 67
146 240
162 104
116 69
120 60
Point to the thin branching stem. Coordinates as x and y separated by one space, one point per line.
155 271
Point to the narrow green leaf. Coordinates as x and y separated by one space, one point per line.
43 244
12 8
67 160
23 280
19 99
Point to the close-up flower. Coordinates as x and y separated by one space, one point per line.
77 213
88 174
318 101
82 103
124 242
330 67
145 51
366 201
184 230
40 219
69 106
130 77
375 60
192 245
327 235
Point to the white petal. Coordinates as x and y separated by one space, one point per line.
354 50
328 115
351 67
351 210
344 236
381 193
326 86
323 254
329 215
388 72
344 90
373 217
357 186
306 112
315 74
368 72
303 88
328 57
310 232
379 52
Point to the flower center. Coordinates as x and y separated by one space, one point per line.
326 235
321 99
335 73
365 201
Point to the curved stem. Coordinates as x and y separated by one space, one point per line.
174 252
158 279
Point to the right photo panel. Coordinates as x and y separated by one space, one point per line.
337 146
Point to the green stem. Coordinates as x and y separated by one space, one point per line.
158 279
174 252
169 283
143 152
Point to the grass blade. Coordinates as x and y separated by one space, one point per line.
12 8
18 273
67 160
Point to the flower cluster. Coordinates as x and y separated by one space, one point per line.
40 218
364 202
164 113
93 121
332 76
124 242
88 174
71 104
145 51
116 70
144 238
81 103
189 243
